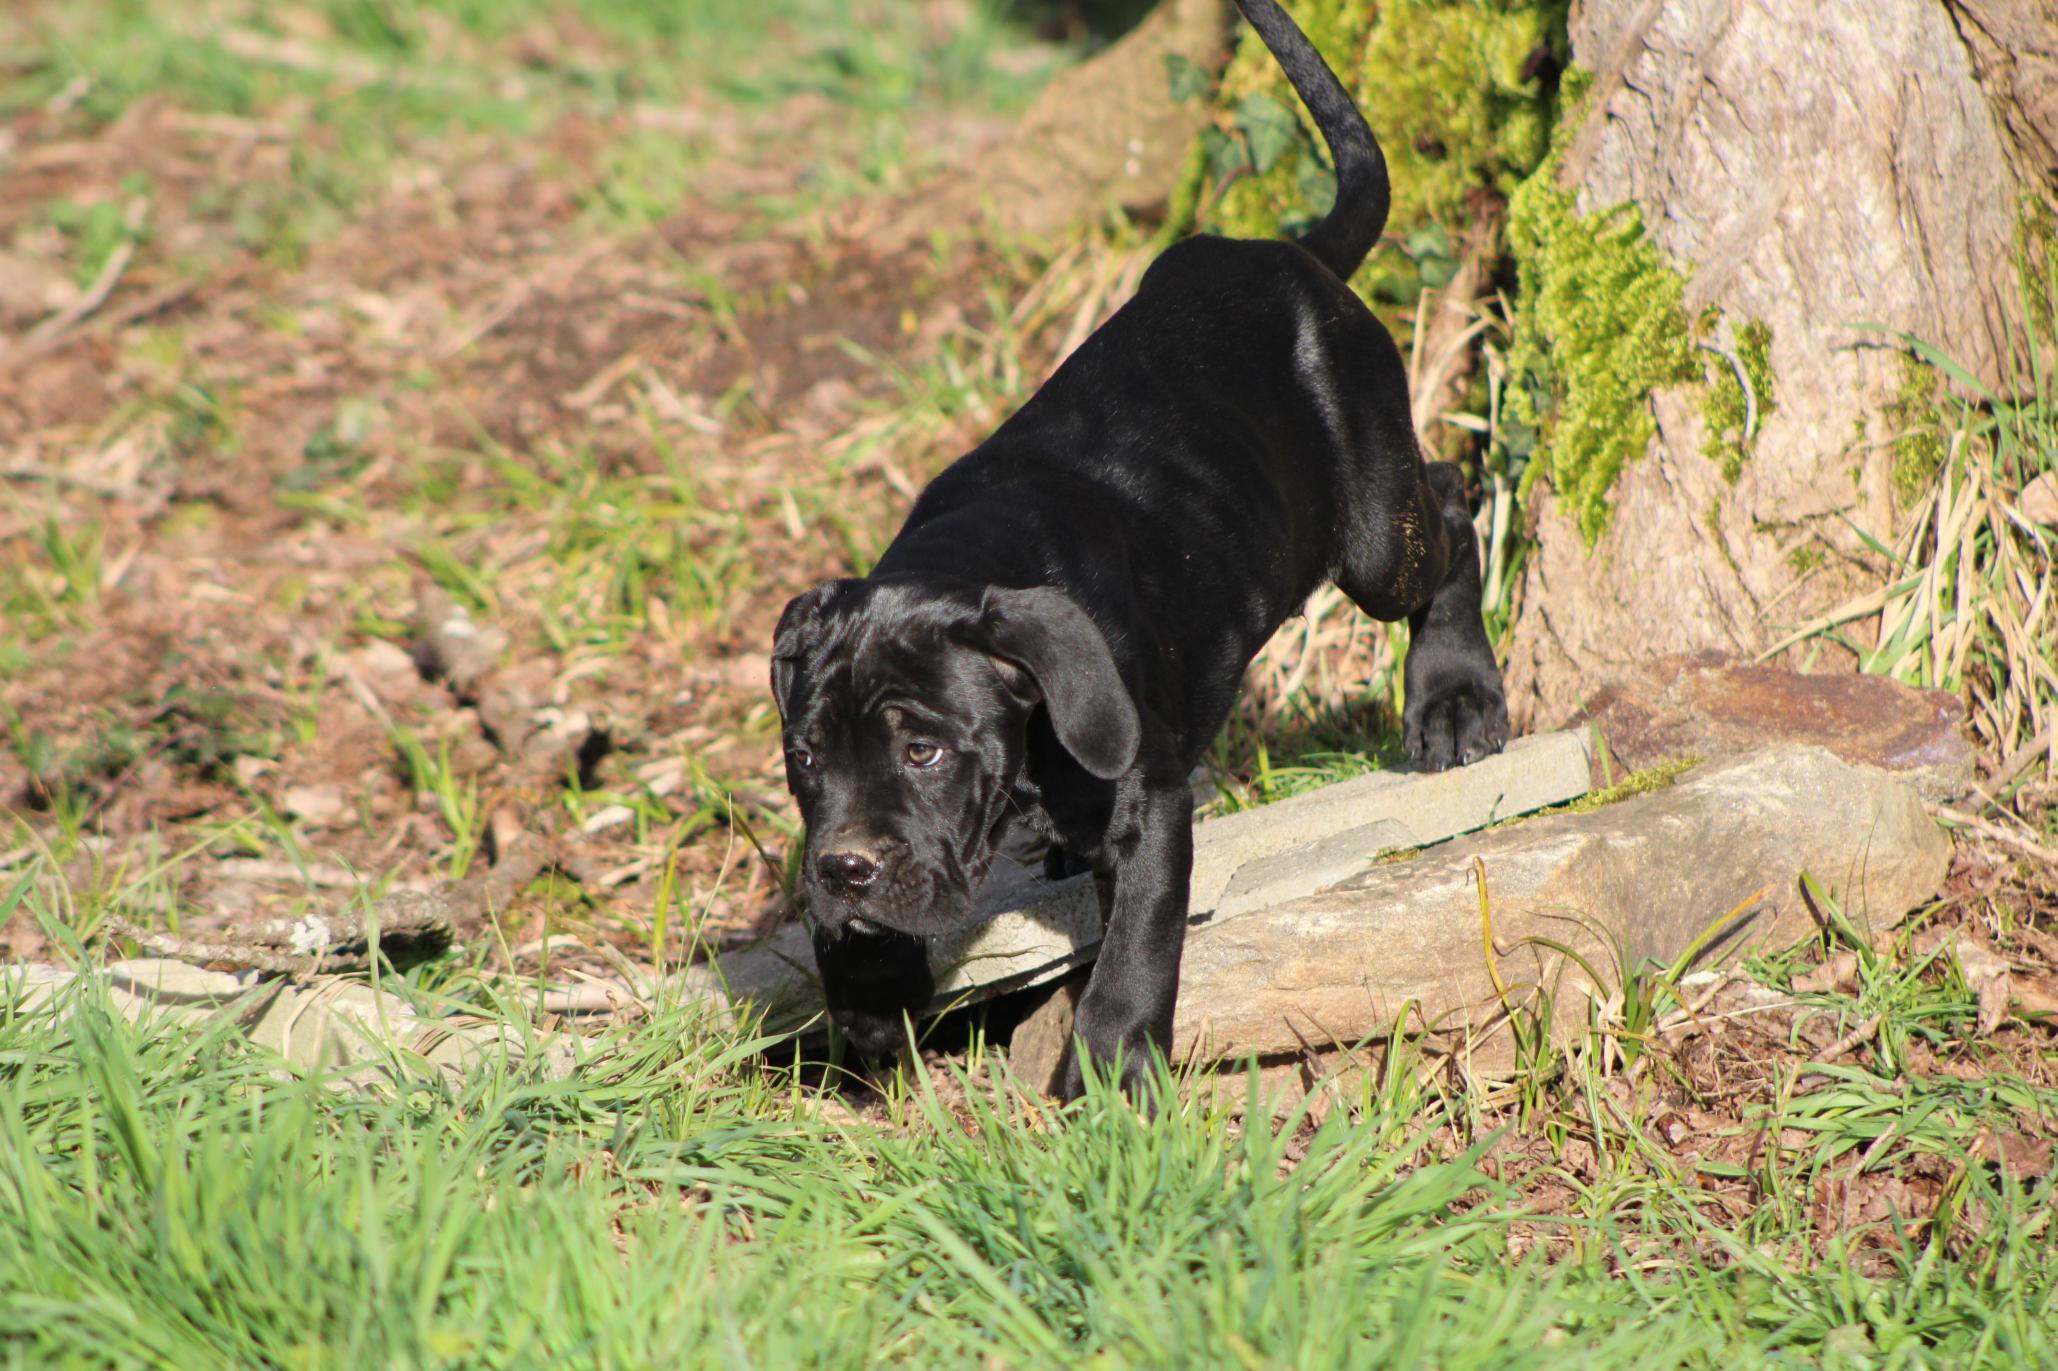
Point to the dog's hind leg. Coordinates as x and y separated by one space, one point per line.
1426 570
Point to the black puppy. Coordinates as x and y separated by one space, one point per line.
1062 625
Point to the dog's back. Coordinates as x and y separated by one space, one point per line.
1232 430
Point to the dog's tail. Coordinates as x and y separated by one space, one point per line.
1354 222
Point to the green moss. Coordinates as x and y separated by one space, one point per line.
1727 409
1599 326
1915 417
1459 92
1660 777
2036 256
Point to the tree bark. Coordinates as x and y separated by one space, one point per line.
1821 168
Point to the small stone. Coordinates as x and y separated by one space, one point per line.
558 733
317 804
1710 706
387 670
449 646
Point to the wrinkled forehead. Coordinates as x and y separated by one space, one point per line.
880 655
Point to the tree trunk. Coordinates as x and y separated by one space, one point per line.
1819 168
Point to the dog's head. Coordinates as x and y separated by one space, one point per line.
906 703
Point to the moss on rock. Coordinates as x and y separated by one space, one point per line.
1733 418
1915 417
2036 254
1600 324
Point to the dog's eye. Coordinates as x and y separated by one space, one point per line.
924 754
803 760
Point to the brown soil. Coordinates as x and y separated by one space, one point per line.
261 448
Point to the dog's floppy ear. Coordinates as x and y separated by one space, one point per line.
791 638
1043 632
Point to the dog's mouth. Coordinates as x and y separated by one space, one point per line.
909 899
925 924
923 914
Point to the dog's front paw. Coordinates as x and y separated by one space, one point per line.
877 1038
1129 1056
1456 723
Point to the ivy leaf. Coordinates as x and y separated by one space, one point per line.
1185 79
1269 127
1428 240
1226 156
1317 186
1437 272
1437 263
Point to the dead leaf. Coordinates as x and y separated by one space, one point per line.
2035 994
1839 973
2019 1154
1985 971
2038 501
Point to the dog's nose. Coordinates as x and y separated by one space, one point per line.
847 870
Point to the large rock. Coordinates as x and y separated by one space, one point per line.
1026 930
1707 706
1401 945
1818 167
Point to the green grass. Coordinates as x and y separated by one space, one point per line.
168 1199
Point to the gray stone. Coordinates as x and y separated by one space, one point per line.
1026 930
1401 944
318 804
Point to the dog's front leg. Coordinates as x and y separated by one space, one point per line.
1143 871
873 981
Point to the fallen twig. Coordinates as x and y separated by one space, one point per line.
1996 832
44 335
1851 1041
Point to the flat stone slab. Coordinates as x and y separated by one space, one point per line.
1712 706
1401 944
1026 930
330 1024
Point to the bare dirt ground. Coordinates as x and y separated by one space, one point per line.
614 452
